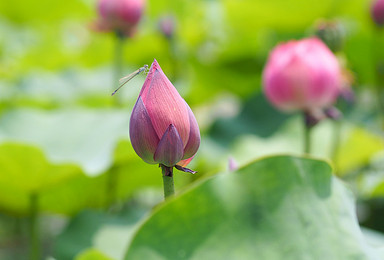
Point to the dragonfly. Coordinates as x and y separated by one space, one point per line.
127 78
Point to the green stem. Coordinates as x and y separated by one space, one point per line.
169 186
336 142
111 194
18 236
380 103
173 59
34 248
379 73
118 63
118 68
307 136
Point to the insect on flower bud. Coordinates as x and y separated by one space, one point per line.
163 129
302 75
120 16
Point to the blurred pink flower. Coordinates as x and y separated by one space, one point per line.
120 16
167 25
302 75
163 128
377 12
232 164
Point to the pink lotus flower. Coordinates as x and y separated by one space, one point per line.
302 75
162 127
120 16
377 12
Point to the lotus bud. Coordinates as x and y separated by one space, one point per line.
232 164
167 26
302 75
377 12
163 129
120 16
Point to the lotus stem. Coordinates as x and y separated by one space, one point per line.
118 63
307 140
380 103
34 249
336 143
112 177
111 193
379 67
169 186
307 133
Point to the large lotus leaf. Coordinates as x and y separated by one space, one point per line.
286 14
376 187
95 192
375 239
64 188
257 117
356 145
60 188
358 149
107 232
92 139
24 170
280 207
92 254
82 136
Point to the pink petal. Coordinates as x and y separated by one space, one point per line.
164 104
194 136
170 148
143 136
185 162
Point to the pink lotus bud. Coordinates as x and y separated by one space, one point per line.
121 16
302 75
167 26
377 12
163 128
232 164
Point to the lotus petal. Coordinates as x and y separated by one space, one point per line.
143 136
164 104
194 136
170 148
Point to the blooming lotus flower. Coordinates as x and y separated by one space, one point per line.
121 16
302 75
163 129
377 12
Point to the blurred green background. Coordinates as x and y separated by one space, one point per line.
65 140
